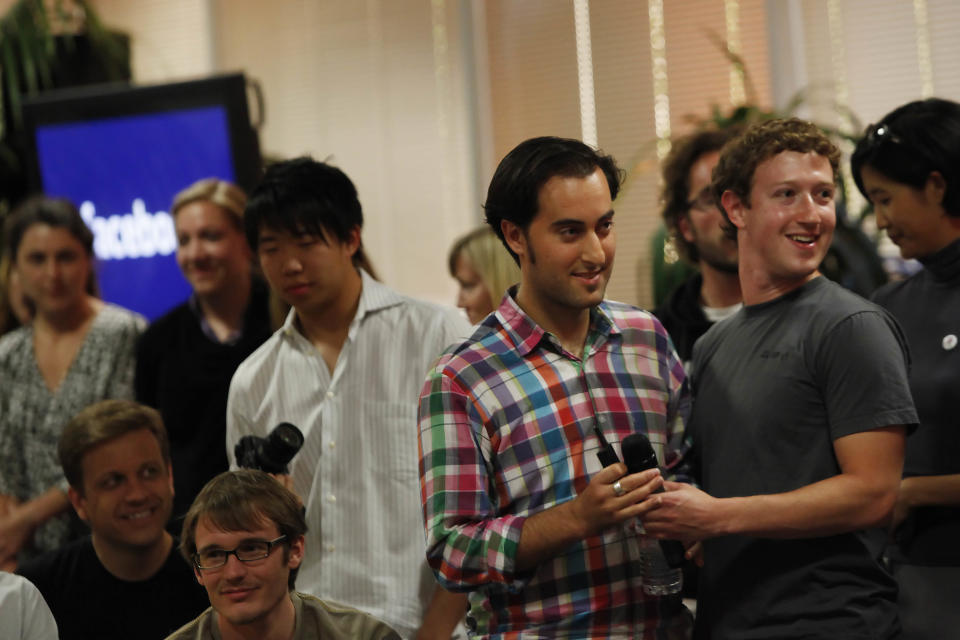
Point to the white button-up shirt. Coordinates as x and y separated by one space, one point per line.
357 470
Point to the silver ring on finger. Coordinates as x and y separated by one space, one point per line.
618 489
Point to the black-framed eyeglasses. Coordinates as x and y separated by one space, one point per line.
704 200
247 551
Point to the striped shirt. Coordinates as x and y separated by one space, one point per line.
357 470
507 430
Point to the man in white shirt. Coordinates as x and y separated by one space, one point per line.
23 613
345 368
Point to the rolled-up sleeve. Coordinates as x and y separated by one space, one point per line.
468 542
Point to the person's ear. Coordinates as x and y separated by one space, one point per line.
197 573
515 238
78 502
352 243
935 187
684 228
734 207
295 556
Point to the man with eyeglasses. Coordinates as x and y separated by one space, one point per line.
695 224
107 585
244 537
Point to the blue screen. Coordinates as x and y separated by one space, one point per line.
122 173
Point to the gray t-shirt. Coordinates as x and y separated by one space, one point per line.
315 620
774 386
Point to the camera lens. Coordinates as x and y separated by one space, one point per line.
280 446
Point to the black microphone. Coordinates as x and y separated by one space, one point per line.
638 455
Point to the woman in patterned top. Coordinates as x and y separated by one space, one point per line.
76 351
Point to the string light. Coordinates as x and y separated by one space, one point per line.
588 105
441 79
924 58
658 57
732 15
838 59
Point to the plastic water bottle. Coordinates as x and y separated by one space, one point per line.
659 578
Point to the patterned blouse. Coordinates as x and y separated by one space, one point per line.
32 417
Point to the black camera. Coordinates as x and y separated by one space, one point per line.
271 454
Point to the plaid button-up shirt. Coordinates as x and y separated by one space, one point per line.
507 429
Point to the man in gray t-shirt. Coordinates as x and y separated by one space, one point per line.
800 406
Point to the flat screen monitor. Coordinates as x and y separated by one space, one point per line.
121 153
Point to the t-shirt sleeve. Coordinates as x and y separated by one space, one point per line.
863 361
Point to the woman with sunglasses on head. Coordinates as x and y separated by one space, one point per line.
908 166
75 351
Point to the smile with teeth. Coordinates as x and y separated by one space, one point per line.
139 515
803 239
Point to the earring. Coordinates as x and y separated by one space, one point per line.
670 253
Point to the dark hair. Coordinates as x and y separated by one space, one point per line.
910 143
59 213
99 423
675 193
55 212
303 196
242 500
741 156
514 191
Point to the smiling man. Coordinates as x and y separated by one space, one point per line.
518 509
691 214
244 536
800 408
125 580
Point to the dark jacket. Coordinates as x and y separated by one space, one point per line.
683 318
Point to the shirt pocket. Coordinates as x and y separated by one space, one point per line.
390 433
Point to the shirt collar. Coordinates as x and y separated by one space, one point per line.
193 303
374 296
526 334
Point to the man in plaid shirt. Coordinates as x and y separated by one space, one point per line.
518 509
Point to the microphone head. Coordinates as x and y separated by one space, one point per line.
638 453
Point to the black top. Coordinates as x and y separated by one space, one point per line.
683 318
89 603
927 305
186 376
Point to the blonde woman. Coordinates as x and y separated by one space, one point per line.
484 270
187 357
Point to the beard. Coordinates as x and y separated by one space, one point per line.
721 257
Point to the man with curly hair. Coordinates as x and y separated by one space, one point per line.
801 402
693 219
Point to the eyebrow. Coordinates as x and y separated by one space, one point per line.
568 222
243 541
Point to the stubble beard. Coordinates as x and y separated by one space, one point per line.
716 258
